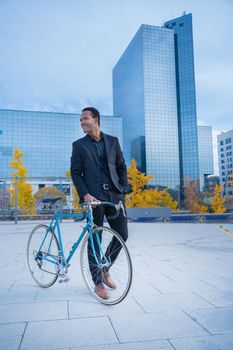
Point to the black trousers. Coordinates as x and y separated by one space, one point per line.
118 224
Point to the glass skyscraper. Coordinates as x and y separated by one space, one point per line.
205 148
45 138
154 92
186 96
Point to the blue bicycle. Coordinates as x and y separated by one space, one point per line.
102 251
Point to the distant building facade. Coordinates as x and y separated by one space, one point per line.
45 138
205 148
154 93
225 160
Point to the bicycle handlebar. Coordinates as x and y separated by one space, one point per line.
118 206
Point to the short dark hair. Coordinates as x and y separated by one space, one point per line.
94 112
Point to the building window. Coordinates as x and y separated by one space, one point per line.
221 143
223 173
222 161
181 24
222 155
222 149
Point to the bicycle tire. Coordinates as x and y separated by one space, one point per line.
43 272
120 271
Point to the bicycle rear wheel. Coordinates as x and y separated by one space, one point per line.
42 255
113 257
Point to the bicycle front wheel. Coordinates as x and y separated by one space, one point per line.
42 255
110 256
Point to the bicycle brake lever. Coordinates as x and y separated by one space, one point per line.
118 207
123 208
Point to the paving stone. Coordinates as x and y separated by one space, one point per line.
182 286
214 320
218 298
148 345
33 312
224 284
216 342
152 303
10 335
68 333
94 308
159 325
23 294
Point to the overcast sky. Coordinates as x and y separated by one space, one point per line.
58 55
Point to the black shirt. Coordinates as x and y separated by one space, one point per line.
105 177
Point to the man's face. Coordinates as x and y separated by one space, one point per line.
88 123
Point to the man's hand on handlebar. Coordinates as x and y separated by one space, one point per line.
117 206
88 198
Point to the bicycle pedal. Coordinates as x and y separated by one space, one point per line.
64 279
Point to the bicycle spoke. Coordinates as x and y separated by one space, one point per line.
42 254
115 251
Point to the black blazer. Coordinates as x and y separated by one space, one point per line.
84 165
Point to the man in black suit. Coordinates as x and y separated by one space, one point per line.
99 172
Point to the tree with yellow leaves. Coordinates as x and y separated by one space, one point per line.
138 181
75 201
144 198
26 201
192 200
217 203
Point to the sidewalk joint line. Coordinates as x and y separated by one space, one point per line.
199 296
22 336
173 347
195 320
113 329
138 304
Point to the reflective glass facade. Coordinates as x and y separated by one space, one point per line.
45 138
186 96
144 94
154 92
205 148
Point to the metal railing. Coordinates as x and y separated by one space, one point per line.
10 208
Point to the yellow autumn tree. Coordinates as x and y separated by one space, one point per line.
192 200
25 199
144 198
217 203
75 201
137 181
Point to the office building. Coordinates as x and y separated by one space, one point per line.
225 144
45 138
205 150
154 93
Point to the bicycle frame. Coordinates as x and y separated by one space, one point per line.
54 226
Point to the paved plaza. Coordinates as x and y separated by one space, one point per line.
181 297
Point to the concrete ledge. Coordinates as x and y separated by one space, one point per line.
149 214
202 217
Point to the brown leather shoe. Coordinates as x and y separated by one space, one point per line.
108 280
101 291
